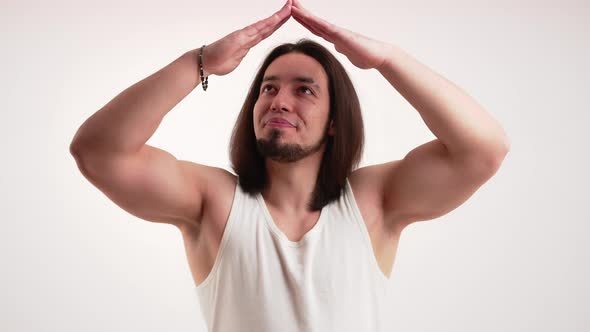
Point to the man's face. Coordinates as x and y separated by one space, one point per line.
294 88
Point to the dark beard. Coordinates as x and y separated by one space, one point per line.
287 153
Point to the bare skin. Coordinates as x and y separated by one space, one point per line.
202 243
388 202
431 180
291 183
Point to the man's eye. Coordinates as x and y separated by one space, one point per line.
306 88
303 88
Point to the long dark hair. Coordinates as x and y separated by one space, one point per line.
343 150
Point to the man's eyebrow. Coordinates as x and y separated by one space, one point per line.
303 79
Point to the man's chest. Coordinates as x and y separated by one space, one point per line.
202 253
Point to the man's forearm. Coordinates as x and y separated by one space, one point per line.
460 123
125 123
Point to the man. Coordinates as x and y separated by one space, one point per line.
298 240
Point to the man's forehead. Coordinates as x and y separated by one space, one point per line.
294 65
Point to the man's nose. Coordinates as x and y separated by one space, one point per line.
281 101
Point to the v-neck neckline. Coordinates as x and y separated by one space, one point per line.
273 226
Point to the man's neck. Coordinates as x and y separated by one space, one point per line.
290 186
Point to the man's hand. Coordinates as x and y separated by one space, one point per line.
363 52
224 55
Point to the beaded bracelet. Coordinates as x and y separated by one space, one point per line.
204 81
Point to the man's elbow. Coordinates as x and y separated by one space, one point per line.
487 161
495 158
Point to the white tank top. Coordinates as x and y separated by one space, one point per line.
328 281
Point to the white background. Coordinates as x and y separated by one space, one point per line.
514 257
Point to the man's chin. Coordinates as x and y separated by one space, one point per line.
279 152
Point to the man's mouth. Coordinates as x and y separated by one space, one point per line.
279 122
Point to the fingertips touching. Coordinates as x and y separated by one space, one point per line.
286 7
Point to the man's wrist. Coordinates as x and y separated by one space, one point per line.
194 55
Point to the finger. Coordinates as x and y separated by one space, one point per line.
263 28
319 25
308 27
324 36
276 27
298 16
270 22
314 28
297 3
264 34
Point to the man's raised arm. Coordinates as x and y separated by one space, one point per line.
125 123
110 147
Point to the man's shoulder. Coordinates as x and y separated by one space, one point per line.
218 181
208 174
369 180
